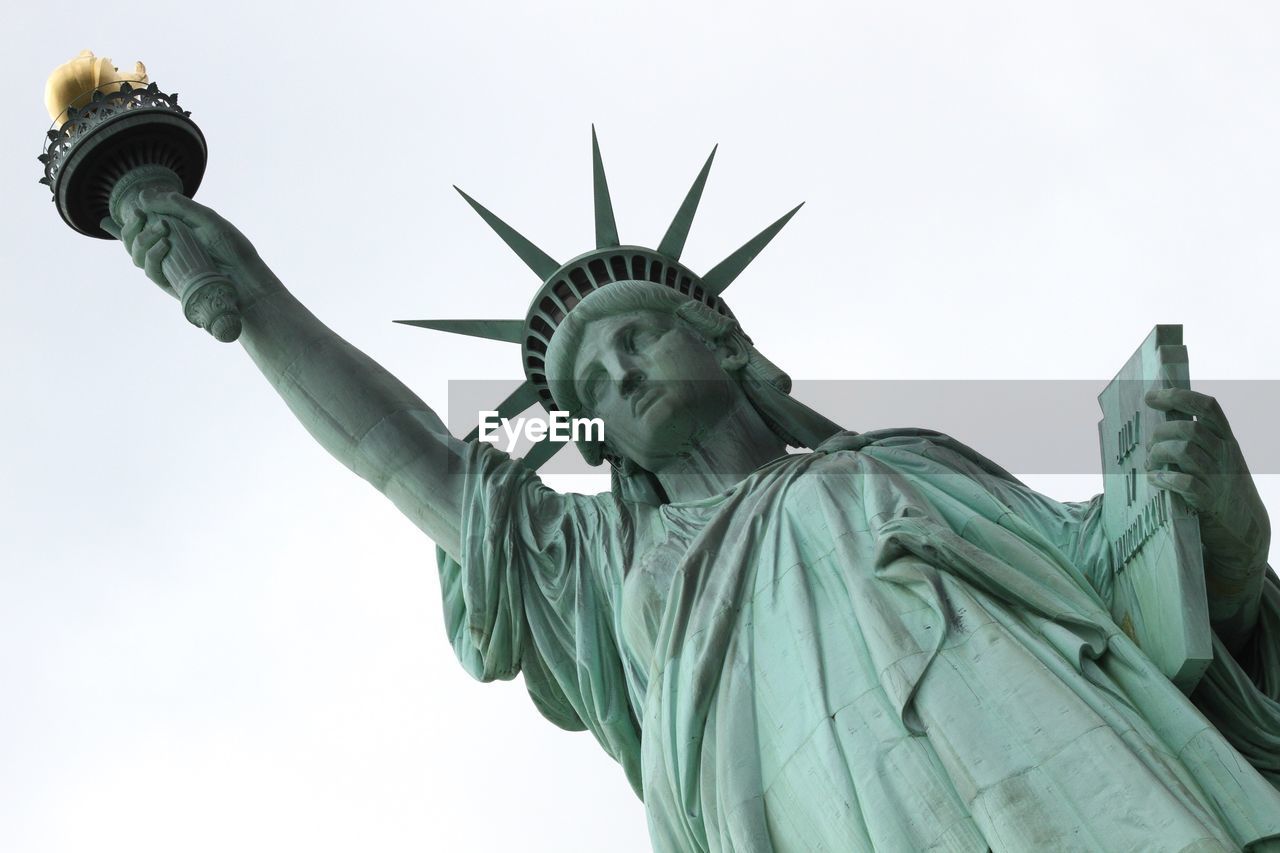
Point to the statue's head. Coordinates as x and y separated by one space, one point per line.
634 337
658 368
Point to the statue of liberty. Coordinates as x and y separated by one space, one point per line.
884 642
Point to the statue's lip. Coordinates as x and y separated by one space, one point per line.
644 399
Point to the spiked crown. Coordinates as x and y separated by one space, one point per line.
565 285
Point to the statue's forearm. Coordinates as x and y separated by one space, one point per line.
1236 539
1235 597
360 413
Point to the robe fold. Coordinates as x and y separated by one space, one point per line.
886 644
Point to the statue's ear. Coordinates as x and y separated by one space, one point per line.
734 350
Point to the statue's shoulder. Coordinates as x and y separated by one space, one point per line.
938 446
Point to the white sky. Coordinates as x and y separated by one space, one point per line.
212 637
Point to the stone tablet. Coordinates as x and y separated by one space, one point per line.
1153 536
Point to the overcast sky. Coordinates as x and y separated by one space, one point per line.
212 637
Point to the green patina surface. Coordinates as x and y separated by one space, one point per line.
885 643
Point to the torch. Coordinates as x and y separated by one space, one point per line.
113 136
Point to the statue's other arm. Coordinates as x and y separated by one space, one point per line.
1212 477
356 410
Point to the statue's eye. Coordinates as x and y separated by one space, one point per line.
629 342
641 337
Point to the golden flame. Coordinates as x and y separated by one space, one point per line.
73 83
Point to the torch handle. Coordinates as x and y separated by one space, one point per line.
208 299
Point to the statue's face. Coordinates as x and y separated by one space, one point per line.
654 382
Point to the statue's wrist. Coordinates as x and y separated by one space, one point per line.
1237 551
1234 572
255 280
265 302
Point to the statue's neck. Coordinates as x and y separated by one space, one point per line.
722 456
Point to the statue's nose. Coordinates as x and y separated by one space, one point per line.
631 380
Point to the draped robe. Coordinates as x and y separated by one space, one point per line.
886 644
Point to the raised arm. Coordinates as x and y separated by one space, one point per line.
358 411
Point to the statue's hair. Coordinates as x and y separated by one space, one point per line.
626 297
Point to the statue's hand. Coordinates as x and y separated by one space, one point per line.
145 230
1213 479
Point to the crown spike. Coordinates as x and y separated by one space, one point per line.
537 260
606 226
516 402
508 331
723 273
673 241
541 452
